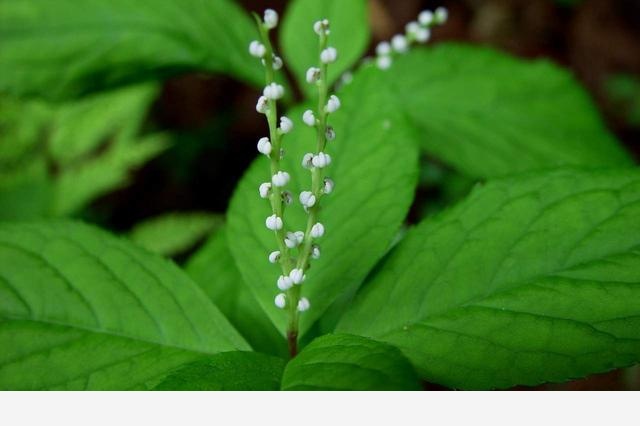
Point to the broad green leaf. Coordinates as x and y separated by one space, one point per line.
80 309
65 48
227 371
344 362
374 168
174 233
213 269
349 35
532 279
488 114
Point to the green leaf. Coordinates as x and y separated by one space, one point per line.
344 362
375 171
488 114
174 233
70 47
349 35
213 269
80 309
532 279
228 371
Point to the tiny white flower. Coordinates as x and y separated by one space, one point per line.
299 236
412 27
280 179
297 276
321 160
383 62
274 256
277 63
333 104
425 18
284 283
308 118
383 48
328 55
441 15
329 133
346 78
399 43
264 189
315 251
273 91
274 223
303 304
286 125
264 146
313 75
307 160
422 35
262 106
321 27
270 18
328 186
317 230
307 199
292 240
257 49
281 300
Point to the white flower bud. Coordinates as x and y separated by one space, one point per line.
257 49
281 300
277 63
299 236
315 251
262 106
294 239
274 223
274 256
383 48
307 160
321 27
303 304
264 190
425 18
264 146
399 43
273 91
422 35
297 276
333 104
286 125
284 283
313 75
307 199
317 230
329 133
412 27
321 160
328 55
328 186
270 19
280 179
441 15
308 118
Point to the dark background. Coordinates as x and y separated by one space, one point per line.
215 125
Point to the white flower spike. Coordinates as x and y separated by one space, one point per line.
257 49
321 160
274 256
317 230
274 223
273 91
264 190
281 300
284 283
297 276
333 104
307 199
262 106
313 75
270 19
329 55
308 118
264 146
399 43
303 304
280 179
286 125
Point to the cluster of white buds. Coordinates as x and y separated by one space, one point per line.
415 32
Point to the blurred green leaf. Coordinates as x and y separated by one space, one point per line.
624 91
344 362
375 171
349 35
214 270
532 279
65 48
228 371
81 309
